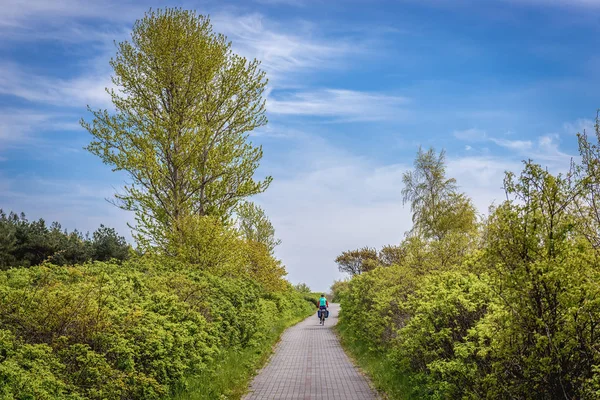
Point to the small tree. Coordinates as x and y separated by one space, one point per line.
357 261
546 279
302 288
184 106
436 205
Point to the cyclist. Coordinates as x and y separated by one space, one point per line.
323 303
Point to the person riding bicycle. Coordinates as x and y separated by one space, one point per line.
323 313
323 303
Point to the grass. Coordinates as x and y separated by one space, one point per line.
231 374
385 377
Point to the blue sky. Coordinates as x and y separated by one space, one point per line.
355 88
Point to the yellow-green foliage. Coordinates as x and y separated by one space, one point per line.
210 245
131 331
184 105
510 312
373 305
338 288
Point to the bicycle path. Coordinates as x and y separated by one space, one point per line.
309 363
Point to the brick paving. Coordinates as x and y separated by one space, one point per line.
309 363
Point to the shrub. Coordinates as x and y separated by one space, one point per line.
135 331
435 343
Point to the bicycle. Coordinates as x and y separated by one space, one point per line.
323 312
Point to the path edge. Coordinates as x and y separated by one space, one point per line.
381 395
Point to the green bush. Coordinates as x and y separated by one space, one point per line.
338 288
30 371
135 331
374 303
435 344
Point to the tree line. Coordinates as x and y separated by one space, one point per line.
24 243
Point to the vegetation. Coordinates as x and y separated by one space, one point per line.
136 331
198 306
337 288
255 226
357 261
184 106
504 308
24 243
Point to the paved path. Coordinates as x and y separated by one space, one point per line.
309 363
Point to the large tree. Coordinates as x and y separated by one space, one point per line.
184 104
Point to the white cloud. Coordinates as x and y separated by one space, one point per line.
338 201
284 53
579 126
518 145
548 152
75 92
345 105
66 22
543 150
481 177
478 135
281 50
21 127
473 135
273 130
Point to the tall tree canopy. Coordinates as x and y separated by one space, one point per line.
184 105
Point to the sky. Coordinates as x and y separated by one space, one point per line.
355 87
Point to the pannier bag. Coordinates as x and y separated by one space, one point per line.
319 313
